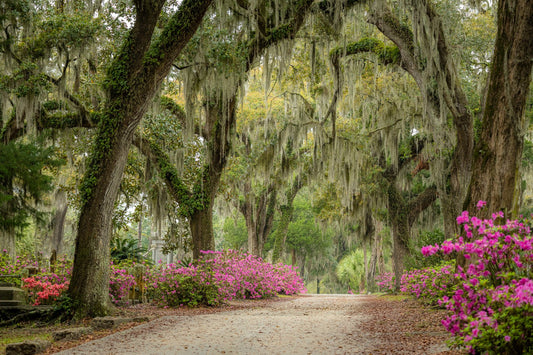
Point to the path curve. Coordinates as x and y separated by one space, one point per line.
328 324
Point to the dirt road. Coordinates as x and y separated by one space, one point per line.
330 324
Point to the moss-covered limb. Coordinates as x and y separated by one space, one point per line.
386 54
328 7
286 210
176 34
402 36
178 112
174 108
177 188
421 203
284 31
58 120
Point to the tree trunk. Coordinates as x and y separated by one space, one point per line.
201 223
90 277
258 212
7 242
400 232
497 155
58 222
280 236
374 267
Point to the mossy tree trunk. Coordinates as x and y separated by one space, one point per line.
258 212
496 167
131 83
287 210
402 214
58 221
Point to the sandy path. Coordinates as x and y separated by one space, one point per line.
305 325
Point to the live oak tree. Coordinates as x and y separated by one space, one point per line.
142 62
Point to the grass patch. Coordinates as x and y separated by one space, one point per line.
17 335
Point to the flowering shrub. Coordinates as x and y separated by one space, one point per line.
240 275
45 287
120 283
175 285
216 277
429 284
221 276
43 291
9 267
491 298
385 282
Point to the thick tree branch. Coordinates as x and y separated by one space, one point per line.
421 203
177 188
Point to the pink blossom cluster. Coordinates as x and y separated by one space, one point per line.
241 275
47 286
491 302
41 291
385 282
429 284
120 283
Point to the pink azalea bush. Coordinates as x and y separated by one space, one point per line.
385 282
120 282
490 299
47 286
241 275
173 285
43 292
221 276
429 284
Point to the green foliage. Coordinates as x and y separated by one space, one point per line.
25 170
183 290
351 269
127 249
63 32
235 233
386 54
418 261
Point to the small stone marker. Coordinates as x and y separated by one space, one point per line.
109 322
71 334
11 296
28 347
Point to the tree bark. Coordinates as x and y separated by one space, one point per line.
7 242
496 167
58 222
280 236
201 223
258 212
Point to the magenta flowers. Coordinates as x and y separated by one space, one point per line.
490 297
